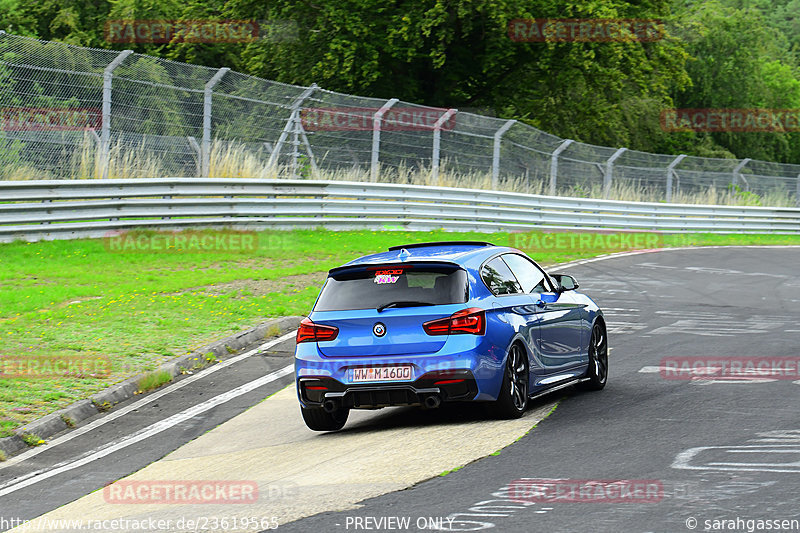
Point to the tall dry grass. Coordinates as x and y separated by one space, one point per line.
236 160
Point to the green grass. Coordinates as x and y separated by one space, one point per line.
32 439
153 380
446 472
77 299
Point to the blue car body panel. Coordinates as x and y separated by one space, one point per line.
553 326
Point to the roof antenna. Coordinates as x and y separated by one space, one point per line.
404 254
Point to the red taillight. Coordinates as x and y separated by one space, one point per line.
310 332
470 321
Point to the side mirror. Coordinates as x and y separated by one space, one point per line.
565 282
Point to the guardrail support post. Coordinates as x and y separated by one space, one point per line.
354 157
737 174
797 194
671 174
437 137
198 156
92 136
496 152
290 124
300 132
376 137
105 121
609 175
206 146
554 164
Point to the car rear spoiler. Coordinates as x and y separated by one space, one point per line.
361 267
439 243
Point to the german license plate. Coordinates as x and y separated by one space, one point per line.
381 373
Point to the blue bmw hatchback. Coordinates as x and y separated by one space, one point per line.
428 323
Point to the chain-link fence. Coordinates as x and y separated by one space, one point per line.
71 112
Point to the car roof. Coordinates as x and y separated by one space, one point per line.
468 254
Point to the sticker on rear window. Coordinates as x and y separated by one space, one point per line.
383 277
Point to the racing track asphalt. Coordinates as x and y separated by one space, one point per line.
716 449
719 450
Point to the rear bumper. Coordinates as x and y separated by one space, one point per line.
447 386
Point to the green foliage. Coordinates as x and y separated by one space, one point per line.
744 197
32 439
738 61
153 380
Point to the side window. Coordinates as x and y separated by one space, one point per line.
530 277
498 278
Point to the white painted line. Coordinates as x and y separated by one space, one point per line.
153 429
651 369
141 403
702 381
604 257
683 461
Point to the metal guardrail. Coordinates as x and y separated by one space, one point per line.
35 210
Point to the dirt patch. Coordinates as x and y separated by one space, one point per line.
261 287
251 263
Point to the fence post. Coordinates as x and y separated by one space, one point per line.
206 146
376 137
437 136
295 144
737 175
554 164
290 124
610 171
496 152
105 121
671 173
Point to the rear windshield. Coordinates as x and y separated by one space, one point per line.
374 288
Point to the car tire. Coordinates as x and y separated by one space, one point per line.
319 419
513 398
597 373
